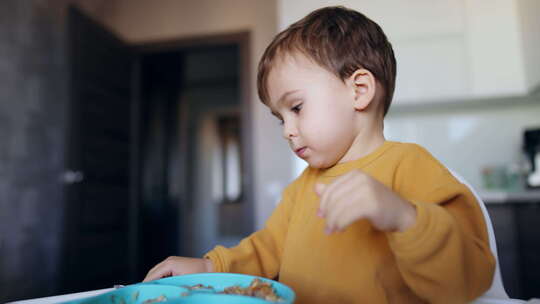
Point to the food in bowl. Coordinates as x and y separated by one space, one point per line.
161 298
257 289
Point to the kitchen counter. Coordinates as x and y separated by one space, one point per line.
501 197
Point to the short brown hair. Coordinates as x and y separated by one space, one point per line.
340 40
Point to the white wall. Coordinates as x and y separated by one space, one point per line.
467 139
206 212
143 21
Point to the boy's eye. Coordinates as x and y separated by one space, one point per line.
297 108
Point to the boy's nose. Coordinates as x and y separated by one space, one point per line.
289 130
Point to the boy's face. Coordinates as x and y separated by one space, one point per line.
316 109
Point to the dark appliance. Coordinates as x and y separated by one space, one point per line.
531 147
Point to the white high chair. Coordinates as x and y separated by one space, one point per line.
496 293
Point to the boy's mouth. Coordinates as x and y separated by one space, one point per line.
300 151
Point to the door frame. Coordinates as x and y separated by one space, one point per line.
243 40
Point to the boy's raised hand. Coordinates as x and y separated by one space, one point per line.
175 265
356 196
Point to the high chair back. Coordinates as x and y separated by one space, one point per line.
496 294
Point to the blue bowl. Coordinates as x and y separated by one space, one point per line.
218 299
174 290
220 281
133 294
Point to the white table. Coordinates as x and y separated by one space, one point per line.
85 294
63 298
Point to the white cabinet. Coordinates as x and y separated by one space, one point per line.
431 68
481 58
493 42
450 50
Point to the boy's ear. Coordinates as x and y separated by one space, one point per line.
363 84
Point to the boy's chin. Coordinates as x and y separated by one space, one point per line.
319 164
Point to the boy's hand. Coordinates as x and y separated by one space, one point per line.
356 196
174 265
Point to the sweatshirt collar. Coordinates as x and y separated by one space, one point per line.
340 169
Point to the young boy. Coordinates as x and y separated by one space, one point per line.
369 221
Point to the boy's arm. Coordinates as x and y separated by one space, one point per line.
260 253
445 255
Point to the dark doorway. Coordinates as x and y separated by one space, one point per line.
144 134
189 86
159 201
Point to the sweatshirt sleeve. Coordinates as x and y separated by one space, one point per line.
260 253
445 256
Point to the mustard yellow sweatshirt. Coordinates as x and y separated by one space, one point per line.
443 258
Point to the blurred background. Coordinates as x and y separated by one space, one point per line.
131 130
